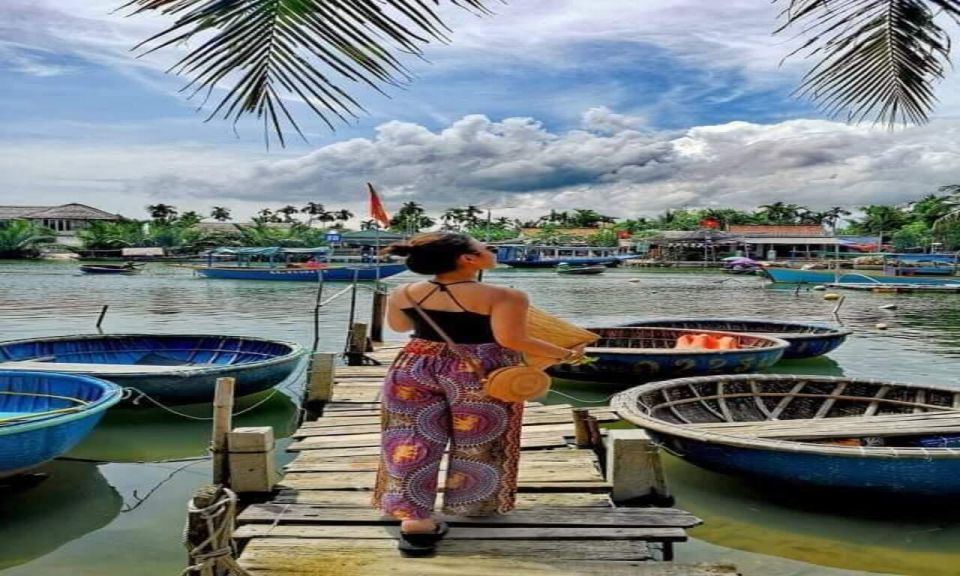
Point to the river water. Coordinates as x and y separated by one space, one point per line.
118 504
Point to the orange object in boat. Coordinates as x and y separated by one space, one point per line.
706 342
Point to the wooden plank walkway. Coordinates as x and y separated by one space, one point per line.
320 520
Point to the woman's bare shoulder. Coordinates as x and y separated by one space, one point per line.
508 294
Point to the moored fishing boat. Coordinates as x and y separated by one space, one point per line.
279 264
43 415
534 256
629 354
810 430
128 268
176 369
796 276
806 340
583 269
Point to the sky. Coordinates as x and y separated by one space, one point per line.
626 107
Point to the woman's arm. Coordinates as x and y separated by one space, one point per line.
509 319
397 319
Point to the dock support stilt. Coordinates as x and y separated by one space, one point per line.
634 468
222 423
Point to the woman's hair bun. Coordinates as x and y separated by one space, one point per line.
399 249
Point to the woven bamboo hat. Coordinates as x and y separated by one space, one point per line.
555 331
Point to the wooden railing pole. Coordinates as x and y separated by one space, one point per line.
222 422
319 388
581 428
358 344
377 315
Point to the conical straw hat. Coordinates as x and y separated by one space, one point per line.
556 331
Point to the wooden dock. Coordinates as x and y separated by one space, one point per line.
319 521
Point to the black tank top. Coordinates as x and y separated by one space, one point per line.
464 327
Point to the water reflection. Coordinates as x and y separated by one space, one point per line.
73 500
823 527
133 434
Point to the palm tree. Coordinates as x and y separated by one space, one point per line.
951 204
832 216
220 214
162 212
314 210
343 215
877 58
288 211
368 224
21 239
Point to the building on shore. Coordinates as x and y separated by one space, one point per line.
66 220
761 242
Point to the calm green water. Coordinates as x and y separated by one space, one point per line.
125 515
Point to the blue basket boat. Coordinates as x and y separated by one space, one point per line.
806 340
175 369
630 354
42 416
818 431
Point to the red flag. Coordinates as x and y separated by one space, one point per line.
377 211
711 223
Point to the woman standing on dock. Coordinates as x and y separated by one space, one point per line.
432 397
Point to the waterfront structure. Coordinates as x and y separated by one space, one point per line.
66 220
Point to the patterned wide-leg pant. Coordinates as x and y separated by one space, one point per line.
432 398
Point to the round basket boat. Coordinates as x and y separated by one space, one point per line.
173 369
631 354
806 340
43 415
810 430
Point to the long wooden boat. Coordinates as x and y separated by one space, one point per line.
110 268
581 270
44 415
795 276
346 273
539 256
630 354
173 369
806 340
811 430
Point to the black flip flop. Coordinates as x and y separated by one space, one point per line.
421 543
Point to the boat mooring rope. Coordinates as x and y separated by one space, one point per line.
217 550
130 391
574 398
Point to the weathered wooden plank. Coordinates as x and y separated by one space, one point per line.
360 532
273 562
528 472
387 563
553 440
365 480
361 499
614 517
296 549
355 425
584 457
342 393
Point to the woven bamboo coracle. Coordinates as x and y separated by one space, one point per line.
555 331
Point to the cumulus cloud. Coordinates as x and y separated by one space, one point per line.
517 163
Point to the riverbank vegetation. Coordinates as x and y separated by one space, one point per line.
929 223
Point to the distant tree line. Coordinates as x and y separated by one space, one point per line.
933 221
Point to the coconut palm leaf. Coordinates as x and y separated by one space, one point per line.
266 52
877 58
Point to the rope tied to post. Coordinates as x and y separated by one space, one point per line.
216 550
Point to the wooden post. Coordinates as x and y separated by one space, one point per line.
581 428
251 460
222 422
634 468
103 312
319 389
196 532
377 314
358 344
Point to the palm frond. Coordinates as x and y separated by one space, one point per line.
878 58
265 52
